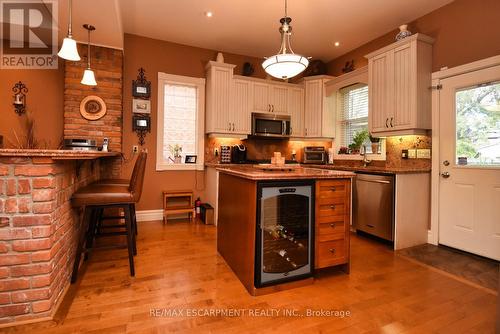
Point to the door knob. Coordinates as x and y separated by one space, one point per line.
446 163
332 225
332 207
445 175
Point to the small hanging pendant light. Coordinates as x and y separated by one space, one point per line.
285 64
69 50
88 76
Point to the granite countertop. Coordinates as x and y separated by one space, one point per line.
56 154
374 169
248 172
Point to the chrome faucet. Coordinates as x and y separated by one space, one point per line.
366 161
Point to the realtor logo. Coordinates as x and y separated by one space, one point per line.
29 34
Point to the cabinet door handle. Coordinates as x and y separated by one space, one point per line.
229 126
233 126
333 189
269 107
386 120
272 107
391 123
332 225
306 131
332 207
332 250
291 130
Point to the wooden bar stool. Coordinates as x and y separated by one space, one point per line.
97 197
177 202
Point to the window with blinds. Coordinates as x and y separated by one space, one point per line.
352 114
180 122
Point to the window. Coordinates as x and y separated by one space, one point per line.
478 125
353 114
181 102
351 94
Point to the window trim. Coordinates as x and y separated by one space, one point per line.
333 87
199 83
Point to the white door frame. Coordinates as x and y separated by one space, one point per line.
433 236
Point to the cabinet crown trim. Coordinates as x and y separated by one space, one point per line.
212 63
407 40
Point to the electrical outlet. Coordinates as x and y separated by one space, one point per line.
423 153
412 153
135 149
216 152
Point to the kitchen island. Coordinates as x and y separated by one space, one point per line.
39 228
276 228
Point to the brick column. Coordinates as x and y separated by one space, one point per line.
38 233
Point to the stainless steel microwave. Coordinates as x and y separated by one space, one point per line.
270 125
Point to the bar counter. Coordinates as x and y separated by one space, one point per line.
39 228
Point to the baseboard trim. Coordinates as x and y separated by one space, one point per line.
149 215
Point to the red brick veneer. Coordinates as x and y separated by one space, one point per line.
38 233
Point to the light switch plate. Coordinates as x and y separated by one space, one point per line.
423 153
412 153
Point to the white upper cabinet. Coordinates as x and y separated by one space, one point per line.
218 98
241 105
296 110
319 109
399 80
270 97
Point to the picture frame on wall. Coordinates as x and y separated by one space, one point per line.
141 87
190 159
140 106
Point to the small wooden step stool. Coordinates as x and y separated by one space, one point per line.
177 202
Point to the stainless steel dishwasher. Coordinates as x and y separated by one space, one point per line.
373 205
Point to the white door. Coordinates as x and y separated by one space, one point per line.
469 150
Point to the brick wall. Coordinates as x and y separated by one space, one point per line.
38 233
107 65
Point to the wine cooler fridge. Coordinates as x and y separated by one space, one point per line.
284 244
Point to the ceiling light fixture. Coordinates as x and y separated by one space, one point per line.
336 44
88 76
209 14
285 64
69 50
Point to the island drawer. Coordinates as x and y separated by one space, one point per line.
333 209
331 231
331 189
330 253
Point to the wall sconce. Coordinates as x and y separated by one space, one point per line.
20 91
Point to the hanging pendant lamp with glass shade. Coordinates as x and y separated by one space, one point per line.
69 50
285 64
88 76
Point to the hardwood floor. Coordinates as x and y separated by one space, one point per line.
177 267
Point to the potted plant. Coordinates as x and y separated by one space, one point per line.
176 150
357 141
375 144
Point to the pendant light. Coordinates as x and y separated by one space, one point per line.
285 64
88 76
69 50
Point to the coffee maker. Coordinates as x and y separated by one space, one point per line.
239 154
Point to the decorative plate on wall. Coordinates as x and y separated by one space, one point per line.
92 108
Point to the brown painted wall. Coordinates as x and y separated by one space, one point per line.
160 56
465 31
44 101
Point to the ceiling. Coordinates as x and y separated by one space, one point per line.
246 27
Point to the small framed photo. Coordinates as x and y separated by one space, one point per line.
141 89
140 106
190 159
141 123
